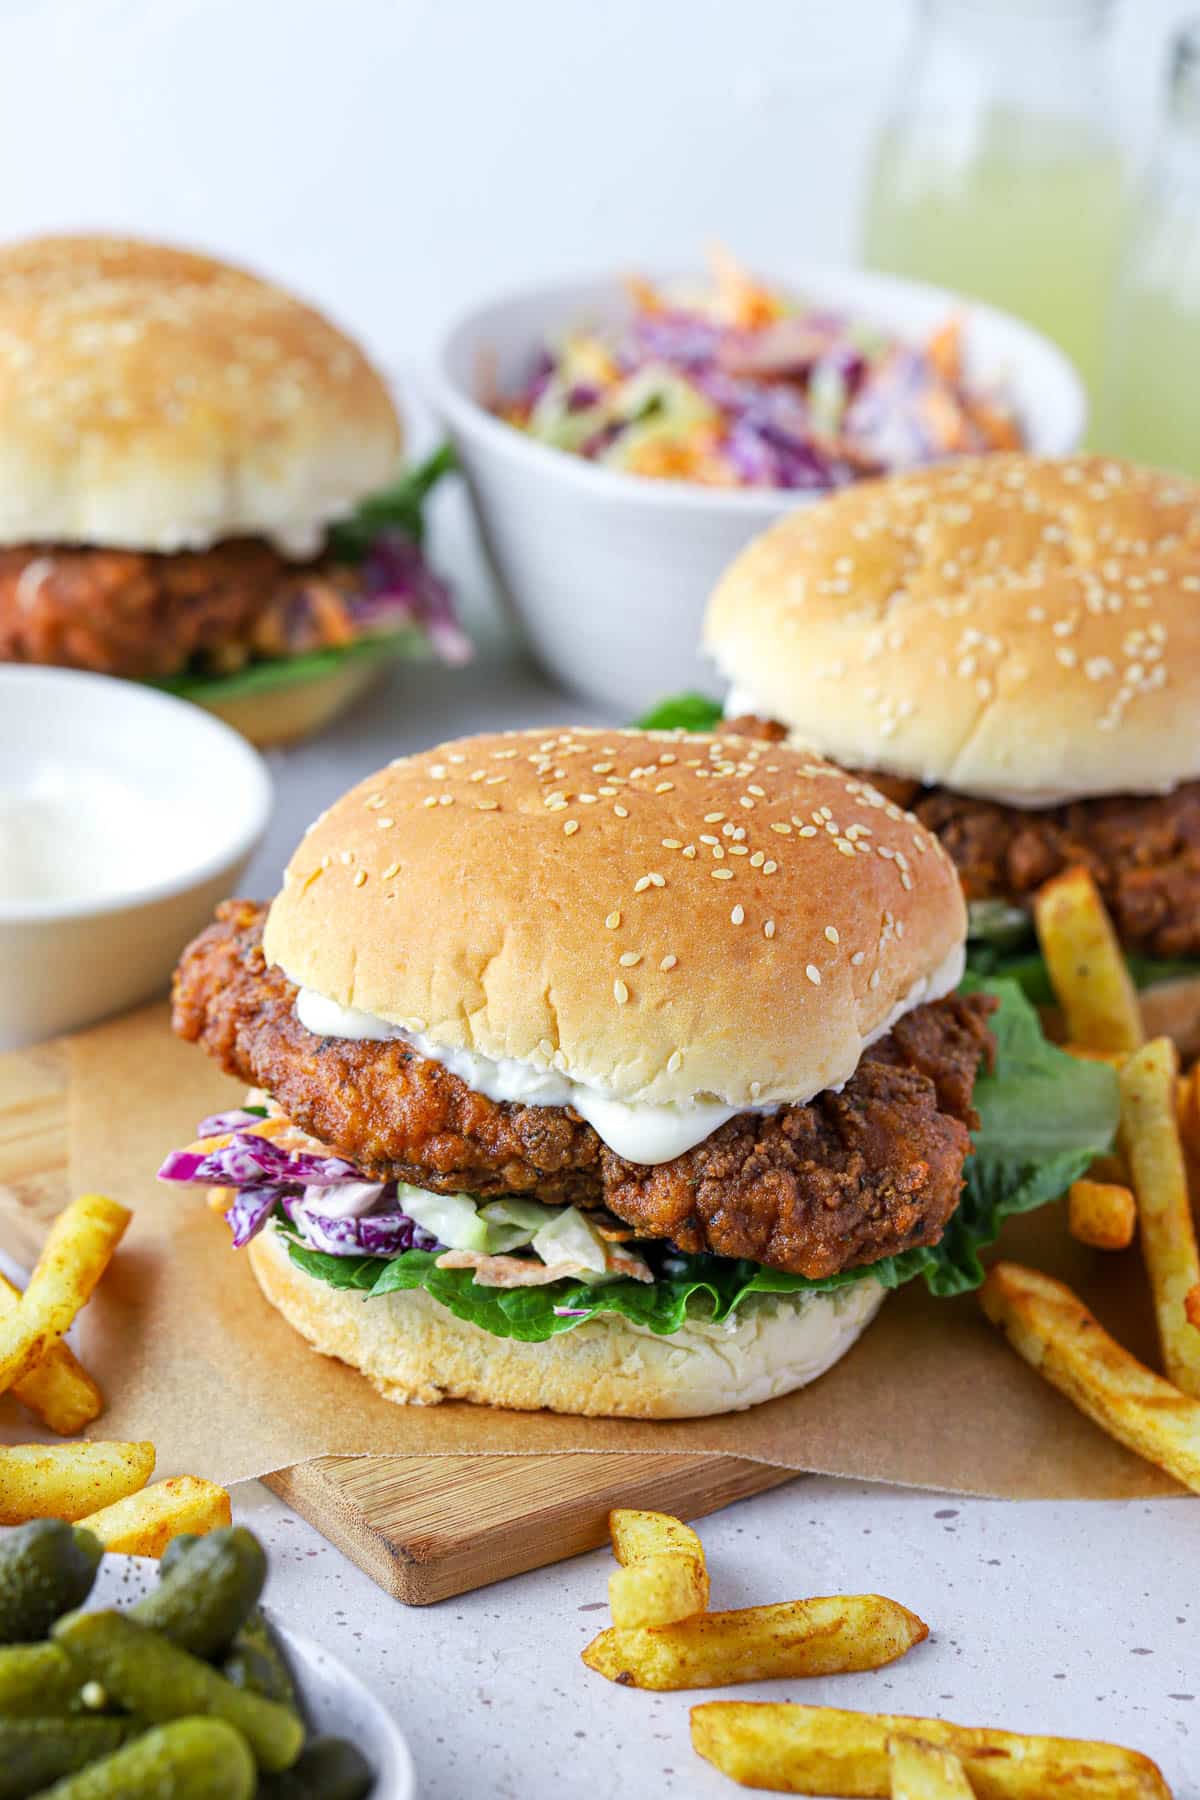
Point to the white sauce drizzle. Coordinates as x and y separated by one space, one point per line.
638 1131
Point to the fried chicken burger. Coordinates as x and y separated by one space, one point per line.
199 487
615 1072
1010 648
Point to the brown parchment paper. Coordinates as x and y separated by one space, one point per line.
190 1355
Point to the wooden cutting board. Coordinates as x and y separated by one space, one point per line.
424 1528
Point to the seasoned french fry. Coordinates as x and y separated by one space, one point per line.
658 1590
1150 1137
820 1750
1053 1330
826 1636
1101 1213
1188 1110
1090 977
924 1771
75 1255
144 1523
68 1481
59 1390
663 1576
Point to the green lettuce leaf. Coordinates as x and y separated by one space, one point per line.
682 712
1044 1116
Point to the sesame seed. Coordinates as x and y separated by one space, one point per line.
745 800
757 860
570 827
622 812
392 870
664 787
721 874
487 806
808 831
758 792
769 928
831 933
360 878
672 844
689 850
668 963
384 824
874 981
782 827
430 800
814 974
629 959
620 992
738 915
859 957
612 921
769 867
713 818
674 1062
641 884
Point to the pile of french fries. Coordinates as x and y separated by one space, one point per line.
1145 1188
664 1638
97 1484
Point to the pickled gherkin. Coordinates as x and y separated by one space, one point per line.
47 1567
207 1593
190 1759
35 1752
149 1676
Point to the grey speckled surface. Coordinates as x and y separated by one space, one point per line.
1079 1620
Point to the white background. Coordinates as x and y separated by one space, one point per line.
396 158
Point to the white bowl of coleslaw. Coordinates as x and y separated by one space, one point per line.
607 569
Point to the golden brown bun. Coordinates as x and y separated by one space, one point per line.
518 895
1010 626
159 400
283 714
412 1350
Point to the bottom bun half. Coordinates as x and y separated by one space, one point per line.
416 1352
272 717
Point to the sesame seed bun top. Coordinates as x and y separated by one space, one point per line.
1010 626
659 915
158 400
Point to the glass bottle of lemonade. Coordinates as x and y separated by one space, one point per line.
998 172
1150 409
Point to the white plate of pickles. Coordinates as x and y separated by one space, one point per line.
168 1679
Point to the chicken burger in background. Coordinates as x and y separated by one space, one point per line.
617 1072
198 487
1011 649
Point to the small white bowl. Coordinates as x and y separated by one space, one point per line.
336 1702
125 815
609 573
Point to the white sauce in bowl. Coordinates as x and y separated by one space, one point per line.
69 832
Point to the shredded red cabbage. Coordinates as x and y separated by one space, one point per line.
328 1202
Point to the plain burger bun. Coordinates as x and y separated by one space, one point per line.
1018 628
659 915
413 1350
154 399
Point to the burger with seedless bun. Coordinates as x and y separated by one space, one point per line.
1010 648
615 1072
199 486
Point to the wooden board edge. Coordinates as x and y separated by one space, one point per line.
427 1567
